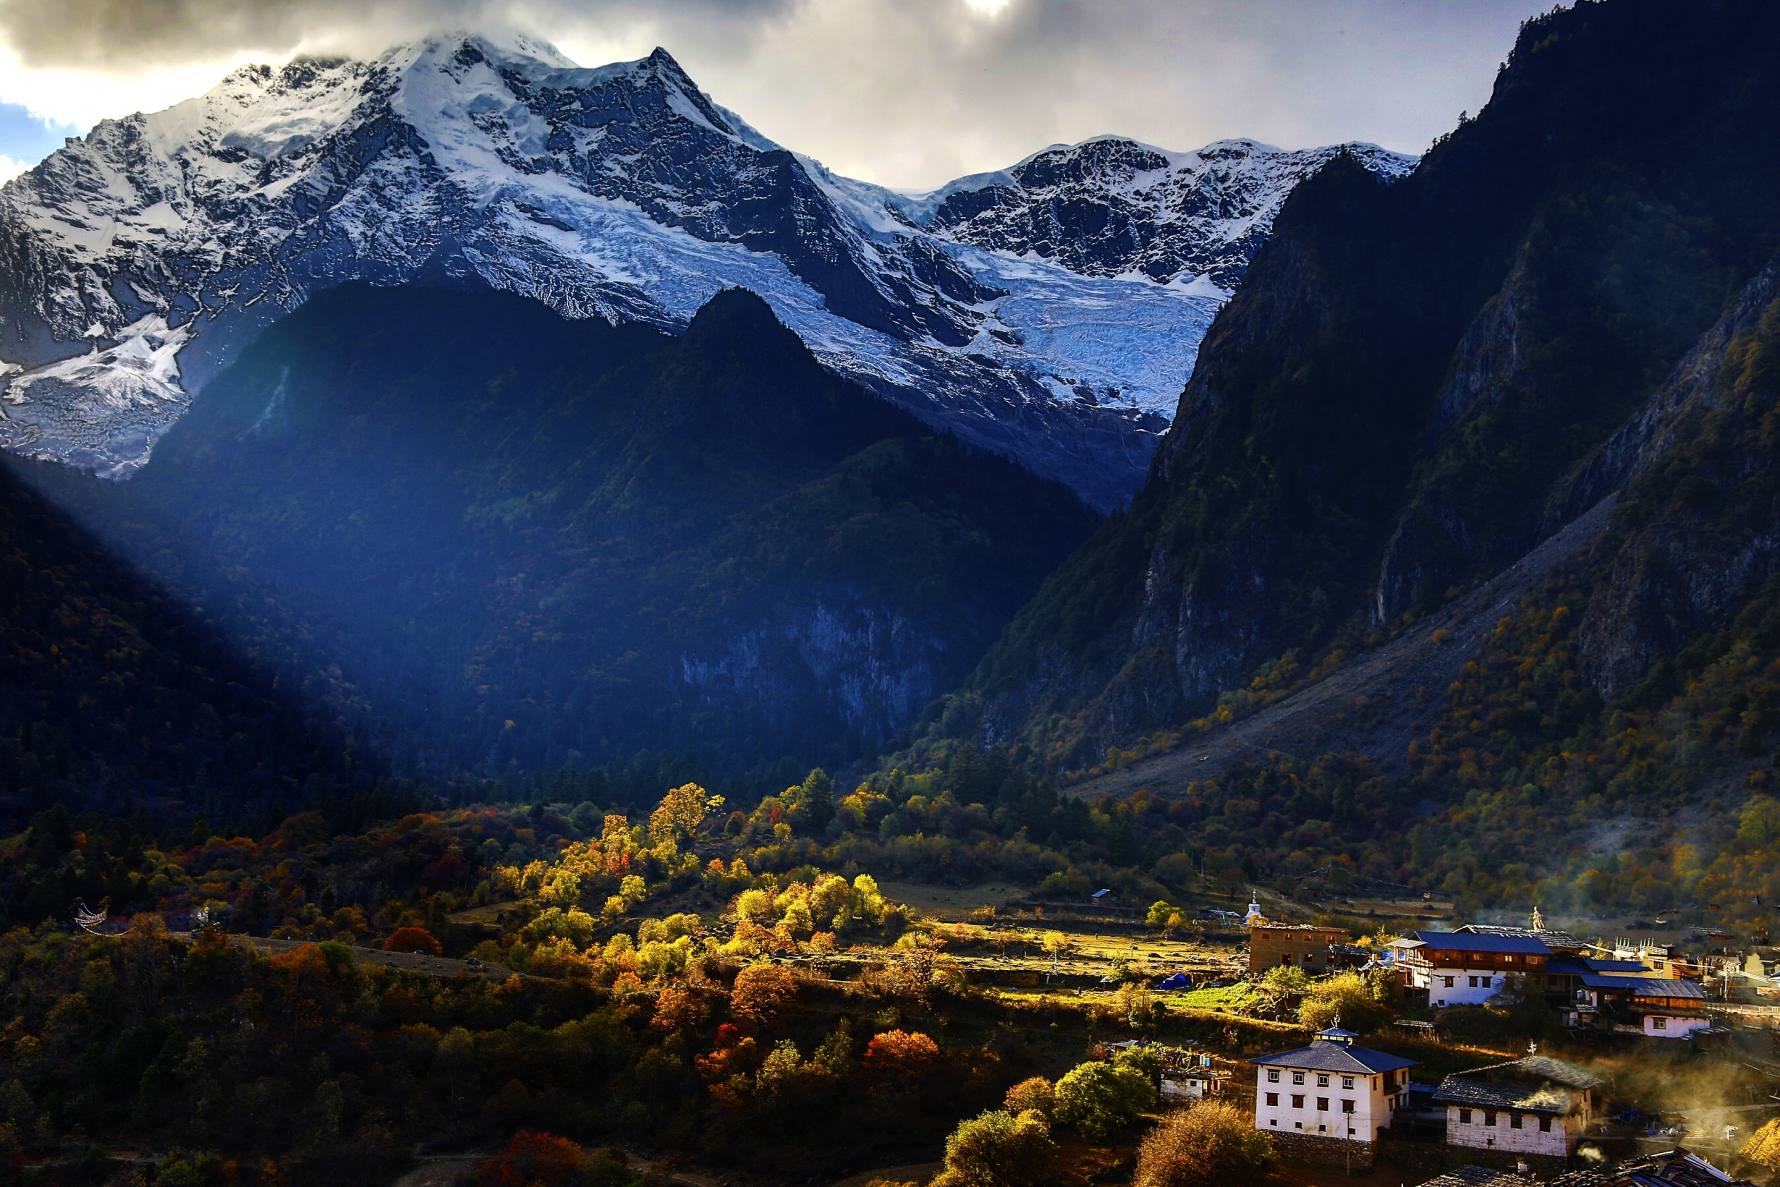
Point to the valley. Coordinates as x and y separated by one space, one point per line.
548 639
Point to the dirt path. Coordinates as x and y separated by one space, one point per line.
414 962
458 1170
1372 704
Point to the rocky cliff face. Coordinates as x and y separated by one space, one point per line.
1699 528
1418 381
591 542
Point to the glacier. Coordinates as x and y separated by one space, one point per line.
1051 311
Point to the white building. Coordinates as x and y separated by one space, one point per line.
1331 1089
1458 968
1195 1083
1659 1007
1535 1105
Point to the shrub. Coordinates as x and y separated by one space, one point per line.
1348 997
1098 1099
999 1149
413 939
1210 1143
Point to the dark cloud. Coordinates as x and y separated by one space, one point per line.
122 33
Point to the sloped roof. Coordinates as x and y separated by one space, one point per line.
1558 1071
1456 941
1536 1083
1577 965
1336 1057
1475 1176
1671 1168
1644 986
1551 936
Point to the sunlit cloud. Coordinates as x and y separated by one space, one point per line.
909 93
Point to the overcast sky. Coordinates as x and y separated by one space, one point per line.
908 93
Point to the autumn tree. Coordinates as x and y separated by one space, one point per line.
762 992
1211 1143
678 816
1351 998
533 1159
1056 944
901 1055
1035 1095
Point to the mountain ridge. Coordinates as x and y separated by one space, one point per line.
1415 385
621 192
597 542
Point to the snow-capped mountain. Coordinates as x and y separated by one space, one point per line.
135 262
1113 207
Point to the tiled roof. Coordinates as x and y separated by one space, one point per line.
1671 1168
1644 986
1336 1057
1536 1083
1526 1095
1576 965
1552 937
1475 1176
1558 1071
1455 941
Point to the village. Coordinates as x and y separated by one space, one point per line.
1489 1055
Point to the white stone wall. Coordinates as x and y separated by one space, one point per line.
1189 1087
1462 992
1560 1142
1673 1026
1372 1105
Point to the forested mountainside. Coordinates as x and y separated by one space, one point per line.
530 543
1419 381
1566 316
120 698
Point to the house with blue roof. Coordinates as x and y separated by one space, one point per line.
1468 968
1332 1098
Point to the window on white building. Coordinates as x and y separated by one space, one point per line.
1449 981
1545 1125
1273 1075
1297 1077
1347 1081
1273 1100
1464 1116
1322 1081
1514 1121
1347 1106
1297 1101
1659 1024
1489 1117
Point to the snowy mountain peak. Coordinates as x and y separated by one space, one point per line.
1113 206
1050 311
